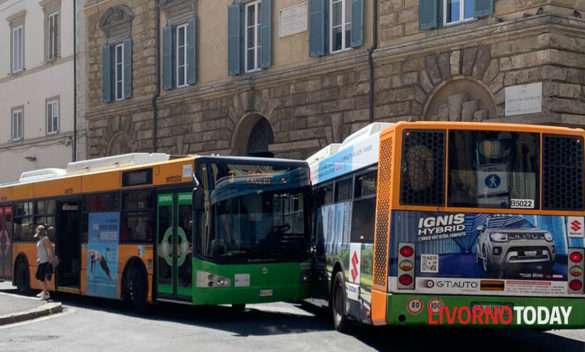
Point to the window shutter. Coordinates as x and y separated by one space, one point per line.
127 68
318 27
483 8
428 13
107 73
357 23
235 39
192 51
168 58
266 33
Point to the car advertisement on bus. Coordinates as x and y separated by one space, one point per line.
102 254
488 253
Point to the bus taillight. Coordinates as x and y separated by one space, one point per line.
576 270
406 266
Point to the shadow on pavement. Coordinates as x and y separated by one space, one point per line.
279 319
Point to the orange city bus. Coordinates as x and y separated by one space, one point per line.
451 223
151 227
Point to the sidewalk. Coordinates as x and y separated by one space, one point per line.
15 308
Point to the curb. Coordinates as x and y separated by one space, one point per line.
42 311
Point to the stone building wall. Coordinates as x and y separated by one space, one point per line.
458 73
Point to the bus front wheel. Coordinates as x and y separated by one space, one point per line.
338 303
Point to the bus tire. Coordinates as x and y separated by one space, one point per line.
135 288
22 276
238 308
338 302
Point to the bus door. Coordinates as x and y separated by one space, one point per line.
5 243
174 245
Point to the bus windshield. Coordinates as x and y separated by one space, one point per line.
257 214
493 169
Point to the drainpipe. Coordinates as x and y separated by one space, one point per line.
371 68
157 89
74 149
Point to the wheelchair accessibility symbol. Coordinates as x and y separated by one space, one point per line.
493 181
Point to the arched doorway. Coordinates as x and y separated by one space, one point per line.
260 139
253 137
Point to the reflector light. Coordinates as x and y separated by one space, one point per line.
575 285
405 280
576 257
406 251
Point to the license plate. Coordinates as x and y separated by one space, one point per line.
530 253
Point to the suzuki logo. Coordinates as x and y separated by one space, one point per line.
354 266
575 225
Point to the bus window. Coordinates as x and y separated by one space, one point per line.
493 169
137 217
23 222
343 190
104 202
364 205
423 159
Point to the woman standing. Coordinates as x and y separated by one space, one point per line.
44 258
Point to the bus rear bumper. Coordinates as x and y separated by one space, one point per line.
486 311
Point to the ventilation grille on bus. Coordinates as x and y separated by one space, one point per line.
383 214
563 172
421 193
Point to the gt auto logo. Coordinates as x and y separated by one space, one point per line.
575 226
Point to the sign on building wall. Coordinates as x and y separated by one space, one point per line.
524 99
293 20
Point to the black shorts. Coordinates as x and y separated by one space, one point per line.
44 272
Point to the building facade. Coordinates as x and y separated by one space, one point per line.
36 86
287 77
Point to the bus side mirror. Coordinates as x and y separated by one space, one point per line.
198 199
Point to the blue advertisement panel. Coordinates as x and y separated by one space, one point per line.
102 254
509 250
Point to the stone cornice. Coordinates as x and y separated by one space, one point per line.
490 32
32 71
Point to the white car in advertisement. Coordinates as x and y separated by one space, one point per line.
509 242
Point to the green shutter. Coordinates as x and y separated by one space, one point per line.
235 39
318 27
127 68
266 33
428 12
357 23
107 95
192 51
168 58
483 8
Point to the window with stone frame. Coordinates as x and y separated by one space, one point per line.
17 42
52 29
17 124
179 37
116 23
339 25
441 13
53 115
249 36
253 39
335 26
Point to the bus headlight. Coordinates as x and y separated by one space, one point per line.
499 237
548 237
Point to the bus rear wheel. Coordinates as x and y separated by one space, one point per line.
21 277
135 288
338 303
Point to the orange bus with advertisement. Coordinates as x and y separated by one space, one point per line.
452 223
151 227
